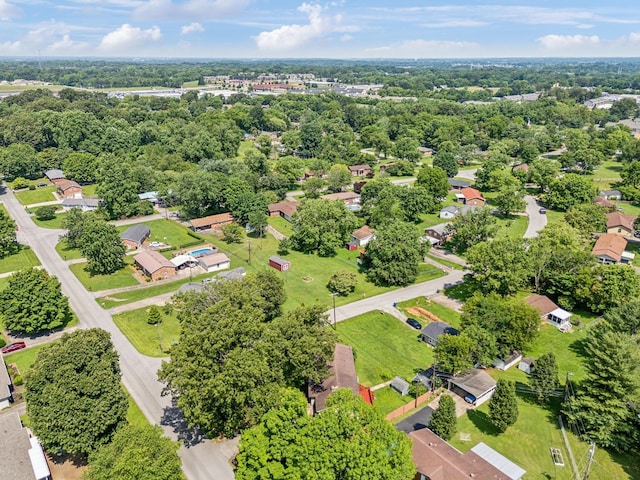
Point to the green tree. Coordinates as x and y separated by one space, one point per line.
118 188
339 177
570 190
74 398
313 186
32 302
406 148
444 422
137 451
624 318
19 160
434 180
8 241
453 353
343 283
544 378
81 167
472 227
322 226
503 406
587 218
103 248
502 265
631 174
154 315
47 212
232 233
510 200
608 286
446 162
392 258
289 444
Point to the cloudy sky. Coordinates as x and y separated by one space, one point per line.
334 29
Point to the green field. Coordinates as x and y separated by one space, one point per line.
121 278
39 195
25 258
512 227
281 225
169 232
629 208
146 338
384 347
67 253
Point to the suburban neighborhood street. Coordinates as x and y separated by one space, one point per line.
537 220
204 459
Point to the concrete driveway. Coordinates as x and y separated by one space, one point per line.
537 220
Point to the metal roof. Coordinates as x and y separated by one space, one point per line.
502 463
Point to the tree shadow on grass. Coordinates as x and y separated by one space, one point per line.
174 418
482 422
551 407
579 348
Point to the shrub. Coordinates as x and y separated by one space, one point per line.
3 342
17 380
45 213
20 183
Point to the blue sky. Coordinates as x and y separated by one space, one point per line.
335 29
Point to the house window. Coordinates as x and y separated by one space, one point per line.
620 230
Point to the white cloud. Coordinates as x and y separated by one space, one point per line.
556 42
425 49
634 37
11 47
127 37
8 11
288 37
67 46
190 9
192 28
454 23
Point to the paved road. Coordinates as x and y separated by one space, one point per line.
202 459
469 174
537 220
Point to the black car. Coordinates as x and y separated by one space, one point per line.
414 323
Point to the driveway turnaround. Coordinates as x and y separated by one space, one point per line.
201 459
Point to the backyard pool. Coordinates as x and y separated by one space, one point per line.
201 252
354 207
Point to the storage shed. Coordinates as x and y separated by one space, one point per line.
279 263
400 385
526 365
508 362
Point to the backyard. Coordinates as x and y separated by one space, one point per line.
169 232
39 195
443 313
148 338
384 347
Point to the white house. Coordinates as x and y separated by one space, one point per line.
449 211
362 236
508 362
214 262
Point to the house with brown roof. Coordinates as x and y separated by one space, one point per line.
609 248
214 262
347 197
154 265
360 170
69 189
436 459
470 196
603 202
362 236
620 224
283 209
212 222
549 311
342 371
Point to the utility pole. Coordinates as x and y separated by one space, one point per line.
249 241
592 451
333 295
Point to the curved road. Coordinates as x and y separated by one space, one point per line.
537 220
201 459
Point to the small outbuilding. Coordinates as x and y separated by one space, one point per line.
362 236
214 262
183 261
279 263
549 311
400 385
457 184
434 330
508 362
54 175
526 365
135 235
476 387
235 274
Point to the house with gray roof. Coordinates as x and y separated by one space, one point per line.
85 204
22 456
135 235
54 174
476 386
6 387
434 330
449 211
455 184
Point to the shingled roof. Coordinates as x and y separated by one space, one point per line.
611 245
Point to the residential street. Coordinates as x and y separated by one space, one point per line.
537 220
203 460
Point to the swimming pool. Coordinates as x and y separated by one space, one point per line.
353 207
201 252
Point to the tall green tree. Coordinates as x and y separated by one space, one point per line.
502 265
8 241
570 190
136 451
117 187
443 421
434 180
289 444
503 406
32 302
74 398
608 286
544 378
342 283
453 353
587 218
543 171
510 200
447 162
19 160
339 177
393 257
472 227
103 248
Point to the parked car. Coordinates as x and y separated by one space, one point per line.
41 185
13 347
543 211
414 323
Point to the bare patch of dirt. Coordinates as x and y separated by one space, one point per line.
66 467
421 312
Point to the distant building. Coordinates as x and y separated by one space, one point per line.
6 387
212 222
476 386
283 209
214 262
434 330
69 189
360 170
85 204
362 236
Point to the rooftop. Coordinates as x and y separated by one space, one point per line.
152 261
288 208
542 303
341 196
81 202
469 193
343 375
436 329
136 233
5 381
477 382
617 219
67 184
54 174
362 233
211 220
213 259
610 245
14 445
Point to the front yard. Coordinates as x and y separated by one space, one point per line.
148 339
25 258
39 195
122 278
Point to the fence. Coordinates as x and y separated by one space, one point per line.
409 406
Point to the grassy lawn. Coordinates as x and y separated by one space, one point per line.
89 190
55 222
134 414
608 171
386 400
67 253
25 258
169 232
446 263
384 347
281 225
244 147
29 197
24 358
554 216
445 314
629 208
121 278
512 227
146 338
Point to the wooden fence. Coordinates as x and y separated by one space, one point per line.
409 406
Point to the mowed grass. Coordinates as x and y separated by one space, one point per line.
122 278
610 170
281 225
67 253
169 232
55 222
384 347
134 414
148 338
25 258
443 313
512 227
386 400
24 358
39 195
